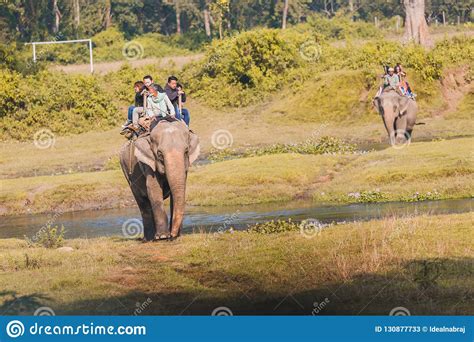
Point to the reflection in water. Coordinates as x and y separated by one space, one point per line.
109 222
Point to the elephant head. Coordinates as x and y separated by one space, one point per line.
398 113
169 151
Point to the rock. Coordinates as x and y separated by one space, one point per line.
65 249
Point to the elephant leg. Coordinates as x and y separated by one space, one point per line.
411 120
145 207
149 230
155 194
402 135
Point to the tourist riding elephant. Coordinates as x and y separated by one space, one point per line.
398 113
156 168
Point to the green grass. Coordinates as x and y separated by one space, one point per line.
426 170
421 263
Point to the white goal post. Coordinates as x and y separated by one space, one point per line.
89 41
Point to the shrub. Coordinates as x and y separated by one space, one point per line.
324 145
64 104
428 196
238 70
272 227
49 237
368 196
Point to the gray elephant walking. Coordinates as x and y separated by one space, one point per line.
156 168
398 113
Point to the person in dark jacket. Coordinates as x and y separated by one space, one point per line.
174 90
139 86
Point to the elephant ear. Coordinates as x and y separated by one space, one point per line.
403 103
144 153
378 105
194 148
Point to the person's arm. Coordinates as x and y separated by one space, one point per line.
170 106
138 100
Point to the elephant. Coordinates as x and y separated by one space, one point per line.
398 113
156 168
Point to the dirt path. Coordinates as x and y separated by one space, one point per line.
106 67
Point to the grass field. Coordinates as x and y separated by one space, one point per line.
424 264
422 171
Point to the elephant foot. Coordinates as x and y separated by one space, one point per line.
162 237
174 237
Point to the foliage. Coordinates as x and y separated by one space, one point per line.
324 145
274 226
48 236
428 196
367 196
62 103
36 20
342 27
238 70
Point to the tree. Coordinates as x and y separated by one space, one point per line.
108 14
178 16
57 16
416 28
76 14
285 14
220 8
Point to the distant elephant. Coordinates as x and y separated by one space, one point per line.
398 113
156 168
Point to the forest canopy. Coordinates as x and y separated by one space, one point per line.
25 21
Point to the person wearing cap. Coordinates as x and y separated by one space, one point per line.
391 79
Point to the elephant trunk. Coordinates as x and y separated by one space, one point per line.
175 169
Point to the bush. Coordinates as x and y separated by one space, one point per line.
49 237
272 227
324 145
369 196
238 70
64 104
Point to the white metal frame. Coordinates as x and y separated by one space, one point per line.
63 42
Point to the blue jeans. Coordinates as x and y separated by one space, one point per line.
183 115
130 113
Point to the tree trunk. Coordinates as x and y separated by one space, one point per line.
285 14
57 16
351 5
108 14
207 24
178 17
416 28
77 14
